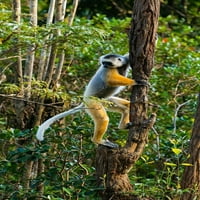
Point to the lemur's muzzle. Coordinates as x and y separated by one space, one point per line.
107 64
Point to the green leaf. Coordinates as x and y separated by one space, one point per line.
170 164
186 164
176 151
67 191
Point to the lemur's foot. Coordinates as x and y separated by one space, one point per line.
107 143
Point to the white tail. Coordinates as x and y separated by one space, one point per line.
45 125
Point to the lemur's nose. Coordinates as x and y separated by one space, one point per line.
107 64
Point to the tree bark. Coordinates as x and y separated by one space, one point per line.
17 18
61 56
27 175
26 111
28 72
44 51
51 77
191 175
19 105
114 164
73 12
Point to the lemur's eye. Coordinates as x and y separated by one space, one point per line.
119 59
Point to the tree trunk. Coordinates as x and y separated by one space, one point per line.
60 15
191 175
26 111
17 18
51 76
19 105
28 72
114 164
73 12
27 175
44 51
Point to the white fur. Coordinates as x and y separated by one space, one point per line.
47 123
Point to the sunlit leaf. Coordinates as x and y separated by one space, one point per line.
187 164
176 151
170 164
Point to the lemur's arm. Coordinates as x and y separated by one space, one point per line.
113 78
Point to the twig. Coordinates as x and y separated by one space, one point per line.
13 97
176 113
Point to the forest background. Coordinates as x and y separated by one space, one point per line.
31 93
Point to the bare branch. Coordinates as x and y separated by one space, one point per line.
176 113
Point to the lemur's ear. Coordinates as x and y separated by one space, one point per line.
126 56
100 59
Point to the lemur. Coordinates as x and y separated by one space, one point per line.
109 80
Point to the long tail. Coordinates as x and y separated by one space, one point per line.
45 125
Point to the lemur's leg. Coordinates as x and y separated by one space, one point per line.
98 113
122 106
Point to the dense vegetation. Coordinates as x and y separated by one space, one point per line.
69 157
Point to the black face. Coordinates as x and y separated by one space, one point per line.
107 64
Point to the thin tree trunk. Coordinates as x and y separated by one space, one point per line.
27 175
60 10
51 64
17 18
114 164
19 105
59 67
28 72
59 6
59 17
44 60
40 187
44 51
49 71
50 51
73 12
61 57
191 175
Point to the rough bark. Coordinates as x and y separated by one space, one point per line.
114 164
191 175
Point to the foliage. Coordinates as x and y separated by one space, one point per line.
173 93
184 10
67 151
68 171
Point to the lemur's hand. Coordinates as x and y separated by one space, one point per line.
142 82
109 144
